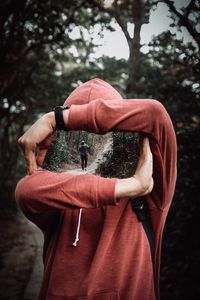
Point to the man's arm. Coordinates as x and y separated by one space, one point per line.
101 116
145 116
141 183
43 193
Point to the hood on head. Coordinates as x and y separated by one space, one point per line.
92 90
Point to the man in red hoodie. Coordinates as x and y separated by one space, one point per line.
112 259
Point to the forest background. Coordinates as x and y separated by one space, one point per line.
42 61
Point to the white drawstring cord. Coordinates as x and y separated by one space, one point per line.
78 228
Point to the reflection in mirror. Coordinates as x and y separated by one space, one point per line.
110 155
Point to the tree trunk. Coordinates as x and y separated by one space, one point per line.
134 62
140 15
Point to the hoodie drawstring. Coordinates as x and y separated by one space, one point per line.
78 228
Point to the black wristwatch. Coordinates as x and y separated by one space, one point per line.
60 125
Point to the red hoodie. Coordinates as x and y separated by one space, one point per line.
112 259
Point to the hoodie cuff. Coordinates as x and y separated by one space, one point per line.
106 191
77 119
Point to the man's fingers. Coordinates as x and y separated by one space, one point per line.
31 161
40 157
43 149
29 155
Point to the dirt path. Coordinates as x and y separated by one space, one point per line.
92 167
33 286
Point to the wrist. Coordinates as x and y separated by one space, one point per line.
128 187
50 118
144 186
65 117
141 188
60 118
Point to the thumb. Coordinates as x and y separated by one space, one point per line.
143 141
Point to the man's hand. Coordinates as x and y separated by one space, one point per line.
142 182
39 135
144 171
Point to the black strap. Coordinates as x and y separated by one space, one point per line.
60 125
140 207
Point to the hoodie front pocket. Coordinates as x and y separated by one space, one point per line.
102 295
106 296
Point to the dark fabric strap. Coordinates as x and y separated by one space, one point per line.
141 209
60 125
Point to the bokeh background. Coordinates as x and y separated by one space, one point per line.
145 49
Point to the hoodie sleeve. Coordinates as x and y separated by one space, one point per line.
133 115
45 192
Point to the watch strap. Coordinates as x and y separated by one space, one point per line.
60 125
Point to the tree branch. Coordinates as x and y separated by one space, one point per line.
114 12
184 20
189 7
122 24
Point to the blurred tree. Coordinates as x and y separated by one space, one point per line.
36 60
188 17
26 27
130 15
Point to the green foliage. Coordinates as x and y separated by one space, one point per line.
128 11
187 16
57 154
121 161
175 64
64 150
